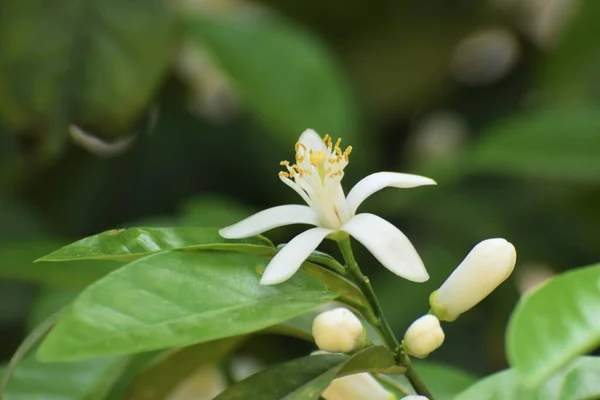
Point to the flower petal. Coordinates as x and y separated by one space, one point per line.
287 261
269 219
390 246
311 140
379 180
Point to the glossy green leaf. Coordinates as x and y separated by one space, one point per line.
578 381
550 144
94 63
176 299
82 380
175 367
133 243
555 323
25 347
283 74
306 378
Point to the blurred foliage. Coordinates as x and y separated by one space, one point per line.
525 165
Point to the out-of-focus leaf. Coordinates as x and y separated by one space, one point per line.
568 70
306 378
177 299
283 74
133 243
49 301
82 380
16 262
25 347
158 381
444 381
213 211
578 381
93 63
554 324
550 144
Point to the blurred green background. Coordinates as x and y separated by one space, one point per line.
126 113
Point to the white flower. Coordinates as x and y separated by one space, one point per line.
317 177
360 386
338 331
423 336
482 271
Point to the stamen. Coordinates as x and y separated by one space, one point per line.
347 153
284 162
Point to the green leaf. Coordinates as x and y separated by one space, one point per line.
82 380
349 293
25 347
16 262
285 76
133 243
549 144
94 63
555 323
176 367
306 378
444 381
177 299
578 381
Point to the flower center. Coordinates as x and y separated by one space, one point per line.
317 176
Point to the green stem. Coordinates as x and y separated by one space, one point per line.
379 322
415 380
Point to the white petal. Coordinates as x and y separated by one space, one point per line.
287 261
379 180
311 140
390 246
269 219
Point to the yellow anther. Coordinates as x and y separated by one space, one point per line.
333 160
299 145
325 138
284 174
347 153
337 143
299 158
284 162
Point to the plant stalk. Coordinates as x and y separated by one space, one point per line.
379 322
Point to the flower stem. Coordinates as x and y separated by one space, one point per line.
379 322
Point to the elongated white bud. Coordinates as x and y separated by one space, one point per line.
357 387
482 271
423 336
338 331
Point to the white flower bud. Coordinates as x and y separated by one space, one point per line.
360 386
414 397
338 331
482 271
423 336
